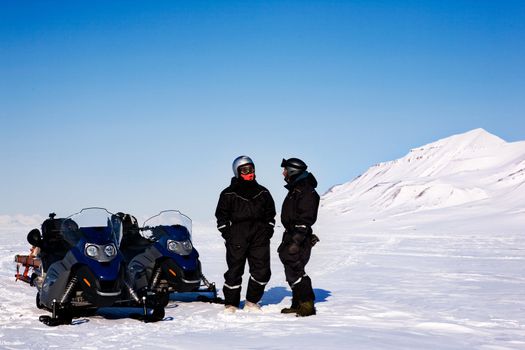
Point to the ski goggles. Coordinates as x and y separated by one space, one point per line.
247 169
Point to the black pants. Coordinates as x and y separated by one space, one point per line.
294 268
257 253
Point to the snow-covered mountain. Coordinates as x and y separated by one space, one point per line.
474 167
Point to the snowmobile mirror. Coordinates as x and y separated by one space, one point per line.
34 238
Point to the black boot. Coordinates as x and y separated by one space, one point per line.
290 310
306 308
295 304
305 296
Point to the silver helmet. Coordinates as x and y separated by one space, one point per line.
240 161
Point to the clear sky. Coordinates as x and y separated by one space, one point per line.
140 106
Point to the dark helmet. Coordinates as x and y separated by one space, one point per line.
294 166
239 162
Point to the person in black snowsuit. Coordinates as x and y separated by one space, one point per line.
298 214
246 218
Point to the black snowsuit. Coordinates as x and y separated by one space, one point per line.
299 213
246 218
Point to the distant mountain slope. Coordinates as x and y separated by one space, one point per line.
8 221
457 170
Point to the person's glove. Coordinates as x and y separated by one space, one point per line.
314 239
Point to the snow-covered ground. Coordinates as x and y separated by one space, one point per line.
425 252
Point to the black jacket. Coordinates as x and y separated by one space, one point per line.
299 211
245 209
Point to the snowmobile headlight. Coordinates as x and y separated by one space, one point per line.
91 250
180 247
172 245
110 250
101 253
187 245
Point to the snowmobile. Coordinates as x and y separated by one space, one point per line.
78 268
162 259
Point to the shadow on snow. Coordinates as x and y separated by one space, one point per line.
276 295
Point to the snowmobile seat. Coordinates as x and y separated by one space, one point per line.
54 246
133 243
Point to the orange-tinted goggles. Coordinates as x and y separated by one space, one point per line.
246 169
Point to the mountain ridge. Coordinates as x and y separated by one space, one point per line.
455 170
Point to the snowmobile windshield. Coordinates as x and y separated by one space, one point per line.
95 225
152 227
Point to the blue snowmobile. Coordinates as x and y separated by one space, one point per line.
81 268
162 259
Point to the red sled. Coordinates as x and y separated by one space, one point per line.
29 262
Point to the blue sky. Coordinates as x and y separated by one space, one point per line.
140 106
